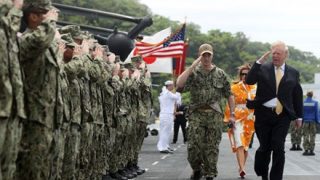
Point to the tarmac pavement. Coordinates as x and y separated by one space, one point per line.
176 167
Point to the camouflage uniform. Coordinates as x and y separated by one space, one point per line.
108 109
123 115
296 134
208 91
97 149
12 109
115 155
39 63
309 135
144 108
86 120
71 160
63 120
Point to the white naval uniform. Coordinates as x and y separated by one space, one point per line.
167 101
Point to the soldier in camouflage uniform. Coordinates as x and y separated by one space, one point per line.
296 137
117 86
132 98
310 120
72 66
39 64
108 108
144 107
123 120
209 88
62 112
97 78
12 110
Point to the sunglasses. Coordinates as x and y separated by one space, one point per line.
243 74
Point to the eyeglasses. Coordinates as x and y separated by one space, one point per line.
243 74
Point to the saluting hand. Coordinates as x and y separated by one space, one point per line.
196 62
51 15
18 4
264 57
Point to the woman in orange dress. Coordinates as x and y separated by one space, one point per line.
240 132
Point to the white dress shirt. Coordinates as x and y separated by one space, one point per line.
273 102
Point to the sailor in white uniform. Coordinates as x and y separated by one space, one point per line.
168 100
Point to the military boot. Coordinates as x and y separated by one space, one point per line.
118 176
298 148
311 153
305 153
138 169
196 175
125 174
293 148
129 171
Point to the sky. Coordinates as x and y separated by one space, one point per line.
296 22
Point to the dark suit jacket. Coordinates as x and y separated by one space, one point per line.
289 93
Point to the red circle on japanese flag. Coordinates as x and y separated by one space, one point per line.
149 60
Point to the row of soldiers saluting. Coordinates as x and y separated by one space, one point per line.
68 108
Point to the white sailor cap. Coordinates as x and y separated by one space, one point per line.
168 83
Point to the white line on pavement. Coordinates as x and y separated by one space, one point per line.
155 163
165 156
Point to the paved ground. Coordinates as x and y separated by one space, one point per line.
175 166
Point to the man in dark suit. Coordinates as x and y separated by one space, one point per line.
180 121
278 101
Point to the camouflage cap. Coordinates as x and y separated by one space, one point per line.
69 41
136 58
117 59
122 66
205 48
129 66
74 30
36 5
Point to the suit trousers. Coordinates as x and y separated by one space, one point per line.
177 123
271 130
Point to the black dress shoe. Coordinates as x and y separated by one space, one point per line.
165 151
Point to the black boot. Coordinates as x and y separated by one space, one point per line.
209 178
139 170
311 153
131 171
305 153
293 148
126 174
298 148
264 177
118 176
196 175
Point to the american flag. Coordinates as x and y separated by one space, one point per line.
173 46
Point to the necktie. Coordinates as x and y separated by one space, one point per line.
279 75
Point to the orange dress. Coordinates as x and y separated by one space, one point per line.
244 126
